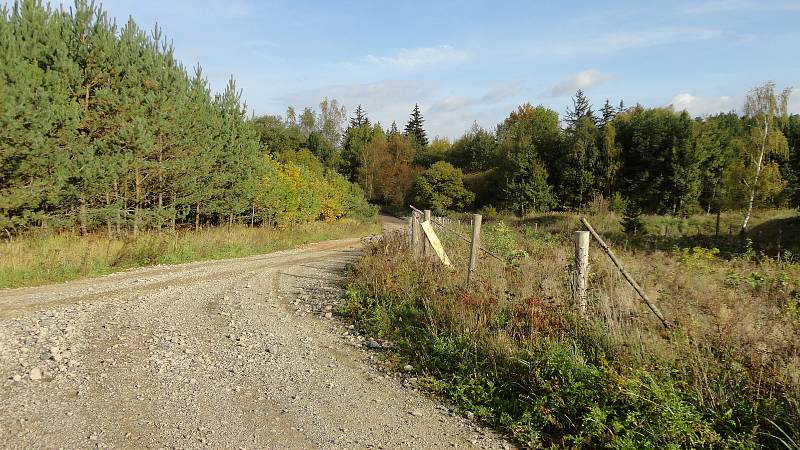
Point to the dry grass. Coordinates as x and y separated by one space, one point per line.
733 352
34 260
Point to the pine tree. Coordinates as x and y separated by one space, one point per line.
102 127
414 129
631 221
393 129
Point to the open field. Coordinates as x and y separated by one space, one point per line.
39 259
513 350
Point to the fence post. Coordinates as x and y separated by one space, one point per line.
426 246
410 231
416 234
475 248
581 269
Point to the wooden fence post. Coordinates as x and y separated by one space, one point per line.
581 269
475 248
410 231
625 274
426 246
416 234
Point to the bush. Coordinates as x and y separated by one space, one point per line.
489 213
441 188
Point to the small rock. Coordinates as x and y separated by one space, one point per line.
416 413
328 315
17 378
371 343
470 415
408 368
36 374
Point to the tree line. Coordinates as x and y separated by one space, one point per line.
102 128
653 160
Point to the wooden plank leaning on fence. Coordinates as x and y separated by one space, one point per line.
625 274
435 243
459 235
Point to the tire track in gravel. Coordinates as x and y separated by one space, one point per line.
240 353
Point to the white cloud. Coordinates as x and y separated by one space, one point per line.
584 80
459 102
612 42
423 56
701 106
500 92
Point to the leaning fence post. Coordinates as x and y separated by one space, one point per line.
475 248
581 269
426 246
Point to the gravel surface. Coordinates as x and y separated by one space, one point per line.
242 353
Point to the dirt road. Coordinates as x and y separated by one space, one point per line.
240 353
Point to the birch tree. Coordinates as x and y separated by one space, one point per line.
764 108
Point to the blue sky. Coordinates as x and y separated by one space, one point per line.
470 61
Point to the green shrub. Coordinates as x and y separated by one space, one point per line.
489 213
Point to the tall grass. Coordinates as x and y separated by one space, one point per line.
513 350
39 259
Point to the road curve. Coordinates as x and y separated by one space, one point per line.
239 353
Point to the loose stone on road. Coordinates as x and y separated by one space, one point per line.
223 354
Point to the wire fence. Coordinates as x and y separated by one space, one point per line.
422 236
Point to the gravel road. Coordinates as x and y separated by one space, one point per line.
240 353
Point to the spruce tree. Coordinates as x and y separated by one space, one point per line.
414 129
608 113
360 118
580 108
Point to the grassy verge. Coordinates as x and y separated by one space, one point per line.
513 351
35 260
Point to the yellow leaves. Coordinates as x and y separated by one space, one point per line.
294 193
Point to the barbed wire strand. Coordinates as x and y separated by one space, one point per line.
466 239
